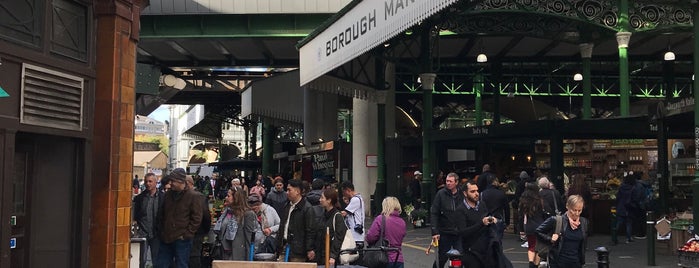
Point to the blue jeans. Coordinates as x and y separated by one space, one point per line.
627 221
179 250
395 265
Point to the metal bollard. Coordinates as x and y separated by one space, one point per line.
602 257
650 237
612 212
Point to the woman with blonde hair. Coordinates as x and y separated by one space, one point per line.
394 231
568 246
236 225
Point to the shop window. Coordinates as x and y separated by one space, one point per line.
69 29
21 21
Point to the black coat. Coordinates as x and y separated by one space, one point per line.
302 229
546 229
480 243
443 212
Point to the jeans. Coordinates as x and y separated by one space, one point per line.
395 265
179 250
446 242
625 220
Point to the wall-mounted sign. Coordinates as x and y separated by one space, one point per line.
13 220
367 25
3 93
372 160
13 242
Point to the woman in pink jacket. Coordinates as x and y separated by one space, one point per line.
394 231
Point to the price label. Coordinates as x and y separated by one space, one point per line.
13 243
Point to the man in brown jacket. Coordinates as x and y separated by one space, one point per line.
180 216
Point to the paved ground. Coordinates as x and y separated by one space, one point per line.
622 255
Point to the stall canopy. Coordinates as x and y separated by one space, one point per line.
358 28
278 98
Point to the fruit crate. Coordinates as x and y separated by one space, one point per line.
688 259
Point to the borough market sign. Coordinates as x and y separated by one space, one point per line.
370 23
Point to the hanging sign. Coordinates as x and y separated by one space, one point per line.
367 25
3 93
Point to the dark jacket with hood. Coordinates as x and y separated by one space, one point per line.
277 199
336 235
443 213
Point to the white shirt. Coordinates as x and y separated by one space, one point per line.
355 216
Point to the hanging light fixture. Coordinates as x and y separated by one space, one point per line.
669 55
577 77
481 58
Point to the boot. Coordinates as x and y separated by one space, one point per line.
532 265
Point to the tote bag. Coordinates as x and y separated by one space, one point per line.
347 243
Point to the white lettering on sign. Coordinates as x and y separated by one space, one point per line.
480 130
360 29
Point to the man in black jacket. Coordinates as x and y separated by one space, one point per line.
496 201
444 218
146 207
297 226
481 248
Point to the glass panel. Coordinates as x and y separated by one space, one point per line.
22 20
69 29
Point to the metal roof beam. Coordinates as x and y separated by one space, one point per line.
230 26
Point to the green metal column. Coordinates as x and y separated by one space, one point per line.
695 84
268 131
427 78
380 191
556 147
623 37
478 89
586 54
663 169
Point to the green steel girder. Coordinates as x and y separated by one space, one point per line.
230 25
547 85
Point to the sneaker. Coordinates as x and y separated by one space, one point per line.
639 237
525 245
543 264
629 241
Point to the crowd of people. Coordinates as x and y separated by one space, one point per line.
288 220
272 217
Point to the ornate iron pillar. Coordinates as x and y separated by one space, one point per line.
695 82
268 131
586 54
380 191
622 38
427 78
478 89
496 77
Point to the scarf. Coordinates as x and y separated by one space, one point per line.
574 224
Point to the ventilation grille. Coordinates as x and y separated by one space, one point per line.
51 98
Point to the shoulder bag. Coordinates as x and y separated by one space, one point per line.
347 244
543 247
376 256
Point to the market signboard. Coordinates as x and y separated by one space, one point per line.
367 25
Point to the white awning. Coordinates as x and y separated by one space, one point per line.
367 25
278 98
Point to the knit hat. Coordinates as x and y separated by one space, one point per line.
254 199
178 174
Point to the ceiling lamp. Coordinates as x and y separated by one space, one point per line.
669 56
482 58
577 77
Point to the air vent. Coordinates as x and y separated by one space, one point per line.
51 98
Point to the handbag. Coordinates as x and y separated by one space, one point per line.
377 258
347 244
543 247
216 250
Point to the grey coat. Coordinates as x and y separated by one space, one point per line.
240 244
